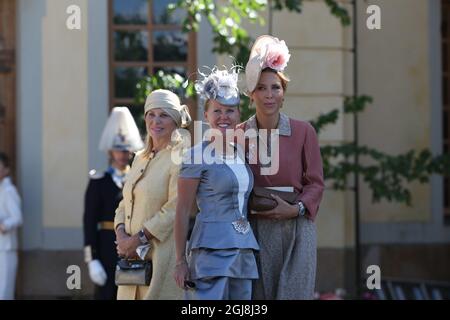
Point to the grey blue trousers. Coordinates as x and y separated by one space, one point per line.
220 288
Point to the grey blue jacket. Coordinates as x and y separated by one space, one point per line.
217 199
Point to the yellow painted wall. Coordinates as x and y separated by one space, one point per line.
394 70
65 134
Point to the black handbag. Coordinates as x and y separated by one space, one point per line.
133 272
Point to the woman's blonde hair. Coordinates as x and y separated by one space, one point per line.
208 101
148 146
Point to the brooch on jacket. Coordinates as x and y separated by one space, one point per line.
242 225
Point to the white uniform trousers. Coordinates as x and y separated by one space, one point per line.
8 269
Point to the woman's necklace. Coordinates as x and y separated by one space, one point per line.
241 225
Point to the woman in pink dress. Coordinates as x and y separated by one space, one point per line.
286 234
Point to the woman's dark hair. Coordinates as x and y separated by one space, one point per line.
4 159
283 78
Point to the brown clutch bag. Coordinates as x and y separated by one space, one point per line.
261 199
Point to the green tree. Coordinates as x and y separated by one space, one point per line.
226 20
387 175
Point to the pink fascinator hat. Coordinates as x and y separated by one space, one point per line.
267 52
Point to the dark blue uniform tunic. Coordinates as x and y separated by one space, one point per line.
101 200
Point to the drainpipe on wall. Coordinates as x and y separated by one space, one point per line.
356 142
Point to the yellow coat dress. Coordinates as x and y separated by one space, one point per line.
149 200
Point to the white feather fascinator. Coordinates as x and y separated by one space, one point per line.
220 85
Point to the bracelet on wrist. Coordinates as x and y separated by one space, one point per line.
180 263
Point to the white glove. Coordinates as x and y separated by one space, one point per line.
97 272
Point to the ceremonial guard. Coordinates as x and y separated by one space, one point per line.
120 139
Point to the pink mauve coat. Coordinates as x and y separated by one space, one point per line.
287 258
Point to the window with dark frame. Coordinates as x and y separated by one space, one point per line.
8 81
445 33
143 39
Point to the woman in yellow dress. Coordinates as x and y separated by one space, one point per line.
146 214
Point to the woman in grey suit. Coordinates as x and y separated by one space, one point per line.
221 262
